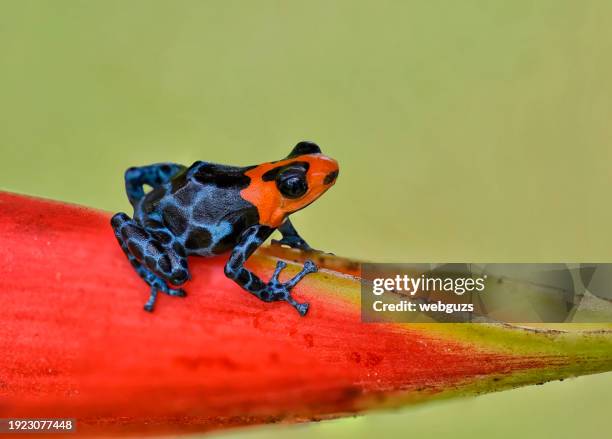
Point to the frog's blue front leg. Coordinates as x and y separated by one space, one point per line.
274 290
152 175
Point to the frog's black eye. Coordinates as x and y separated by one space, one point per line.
292 183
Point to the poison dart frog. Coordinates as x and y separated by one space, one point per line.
209 209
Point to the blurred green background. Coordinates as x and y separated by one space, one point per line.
465 131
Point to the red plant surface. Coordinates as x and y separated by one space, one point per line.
76 342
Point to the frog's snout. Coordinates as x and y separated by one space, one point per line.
327 171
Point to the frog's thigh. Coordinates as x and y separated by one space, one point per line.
166 259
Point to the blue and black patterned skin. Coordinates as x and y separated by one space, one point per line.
210 209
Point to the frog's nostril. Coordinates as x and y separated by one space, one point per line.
331 177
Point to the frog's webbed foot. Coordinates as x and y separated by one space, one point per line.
299 244
292 238
276 290
159 285
294 242
179 292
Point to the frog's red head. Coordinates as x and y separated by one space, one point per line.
280 188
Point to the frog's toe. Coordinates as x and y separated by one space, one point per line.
309 267
177 292
302 308
320 252
323 252
293 242
150 305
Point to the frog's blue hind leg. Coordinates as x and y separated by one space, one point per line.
152 175
156 263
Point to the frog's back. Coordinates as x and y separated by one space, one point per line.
202 207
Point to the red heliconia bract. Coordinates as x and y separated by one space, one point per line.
76 342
